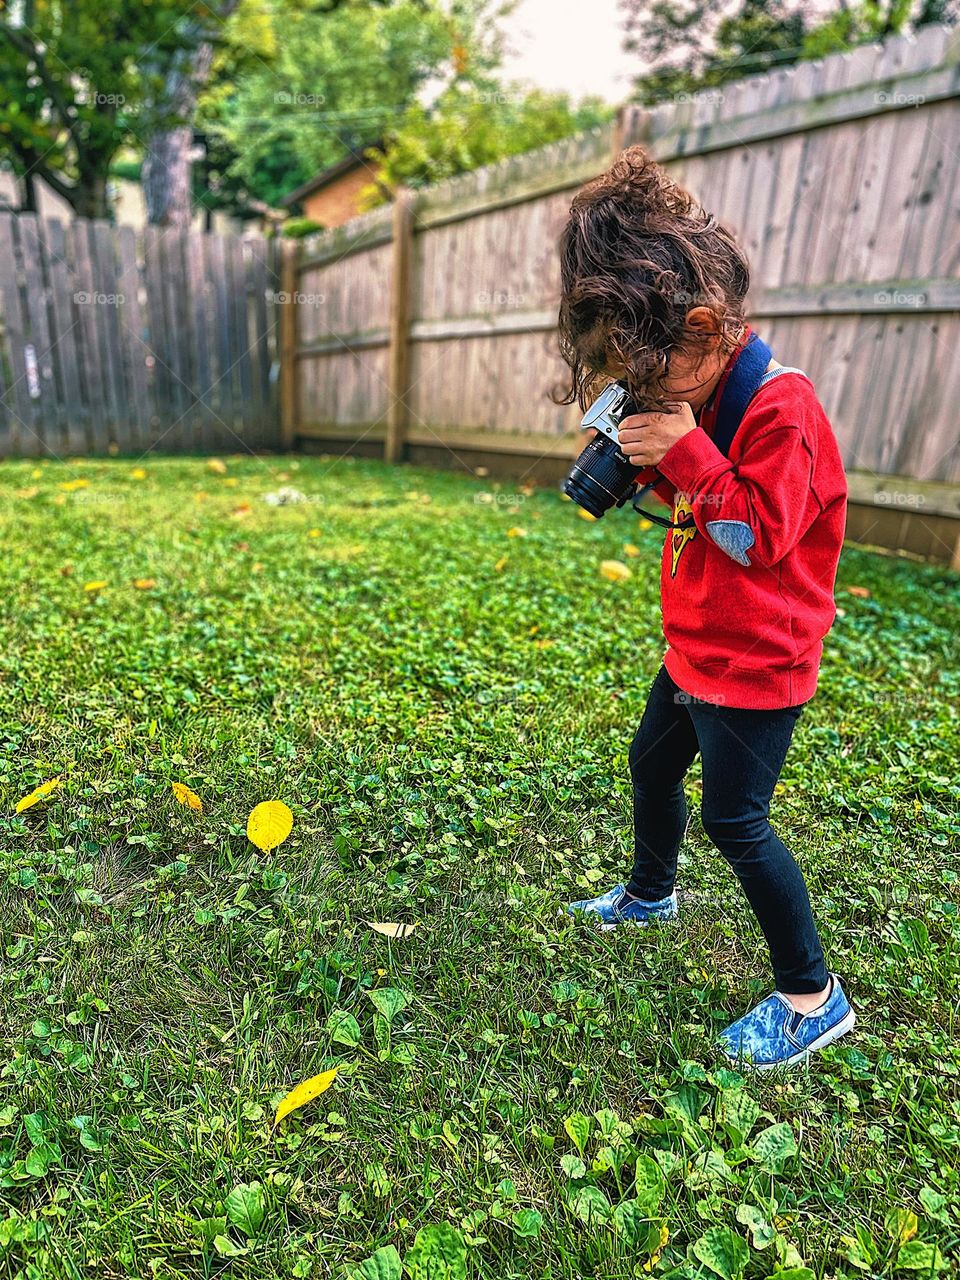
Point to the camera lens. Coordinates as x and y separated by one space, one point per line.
600 478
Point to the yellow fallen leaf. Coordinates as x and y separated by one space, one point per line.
306 1092
543 644
232 481
655 1255
31 492
69 486
37 794
646 524
908 1223
200 496
585 515
269 824
241 512
36 473
614 570
97 585
184 795
314 533
138 473
217 466
630 550
144 584
863 593
501 564
393 930
516 532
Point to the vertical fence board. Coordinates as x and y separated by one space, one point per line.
289 253
164 410
46 428
18 402
91 366
200 337
132 346
63 335
237 309
103 249
224 411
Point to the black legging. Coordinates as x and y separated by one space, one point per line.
743 753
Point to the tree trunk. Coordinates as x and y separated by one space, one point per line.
166 177
90 200
167 169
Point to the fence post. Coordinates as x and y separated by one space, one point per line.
398 384
619 133
289 282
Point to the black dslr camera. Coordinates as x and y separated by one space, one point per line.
602 477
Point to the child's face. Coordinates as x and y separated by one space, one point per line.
694 374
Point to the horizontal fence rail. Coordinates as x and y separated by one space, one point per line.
118 341
428 331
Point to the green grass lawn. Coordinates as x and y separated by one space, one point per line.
445 703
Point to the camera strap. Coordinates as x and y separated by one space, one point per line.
740 386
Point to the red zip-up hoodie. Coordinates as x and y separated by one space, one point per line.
747 593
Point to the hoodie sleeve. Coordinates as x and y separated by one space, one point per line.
757 509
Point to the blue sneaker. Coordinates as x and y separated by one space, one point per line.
774 1034
615 908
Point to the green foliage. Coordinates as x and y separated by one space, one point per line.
75 86
516 1094
297 228
470 127
693 48
327 83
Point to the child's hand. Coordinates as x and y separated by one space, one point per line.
646 437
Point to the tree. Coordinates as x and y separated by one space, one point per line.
325 85
182 72
690 45
73 88
473 126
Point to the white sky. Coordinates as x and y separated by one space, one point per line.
574 45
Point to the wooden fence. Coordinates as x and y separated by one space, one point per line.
114 341
427 331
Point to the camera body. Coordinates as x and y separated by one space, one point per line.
602 477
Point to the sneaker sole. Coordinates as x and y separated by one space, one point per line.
846 1023
605 927
637 924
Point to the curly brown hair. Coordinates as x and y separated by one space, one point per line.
636 254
